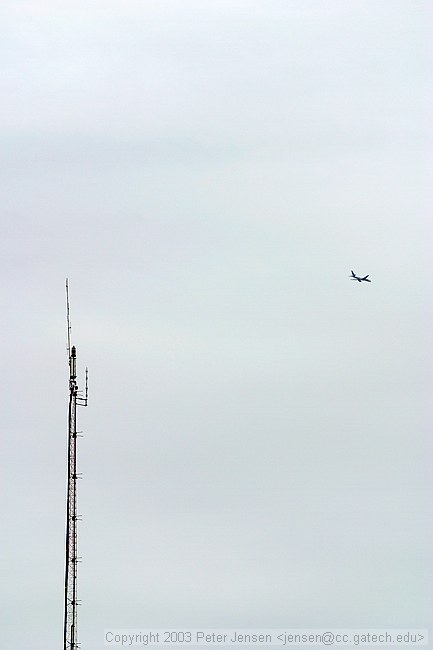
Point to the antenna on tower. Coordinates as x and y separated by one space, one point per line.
71 551
68 318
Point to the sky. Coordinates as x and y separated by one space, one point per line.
257 446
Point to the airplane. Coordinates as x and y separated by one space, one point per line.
355 277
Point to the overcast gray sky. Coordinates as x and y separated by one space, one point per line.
257 447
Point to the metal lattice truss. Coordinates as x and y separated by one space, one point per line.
71 600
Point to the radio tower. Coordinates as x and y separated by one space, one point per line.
75 399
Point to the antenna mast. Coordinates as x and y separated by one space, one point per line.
75 399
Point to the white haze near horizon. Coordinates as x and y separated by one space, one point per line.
257 448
